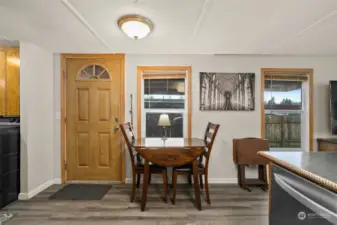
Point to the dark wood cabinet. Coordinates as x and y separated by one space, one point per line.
327 144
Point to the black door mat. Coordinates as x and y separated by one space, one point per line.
81 192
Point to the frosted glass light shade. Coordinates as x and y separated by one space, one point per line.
164 120
135 26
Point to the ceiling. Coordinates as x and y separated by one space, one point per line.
277 27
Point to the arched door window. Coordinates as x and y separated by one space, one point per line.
93 72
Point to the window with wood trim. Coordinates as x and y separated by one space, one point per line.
286 109
164 92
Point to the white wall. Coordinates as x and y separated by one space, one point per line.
57 116
232 124
37 110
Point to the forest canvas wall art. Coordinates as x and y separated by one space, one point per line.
227 91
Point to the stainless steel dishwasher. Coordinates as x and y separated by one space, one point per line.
298 201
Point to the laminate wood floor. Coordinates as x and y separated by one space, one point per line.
230 206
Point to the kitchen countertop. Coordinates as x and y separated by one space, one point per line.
329 140
319 167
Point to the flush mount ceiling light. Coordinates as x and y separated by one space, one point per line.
135 26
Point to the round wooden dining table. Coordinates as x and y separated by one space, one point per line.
172 152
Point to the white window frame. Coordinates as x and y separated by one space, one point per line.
183 111
185 73
308 133
304 118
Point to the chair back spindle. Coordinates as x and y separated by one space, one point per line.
210 134
129 137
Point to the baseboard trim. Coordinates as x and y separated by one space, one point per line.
35 191
57 181
23 196
184 181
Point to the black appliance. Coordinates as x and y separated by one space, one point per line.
333 106
9 159
298 201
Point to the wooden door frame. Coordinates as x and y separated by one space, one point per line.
294 71
173 69
63 58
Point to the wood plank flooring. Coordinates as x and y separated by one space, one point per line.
230 206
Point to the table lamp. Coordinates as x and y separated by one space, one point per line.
164 121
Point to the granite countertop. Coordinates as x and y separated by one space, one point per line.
319 167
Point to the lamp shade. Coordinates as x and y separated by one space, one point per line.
181 88
164 120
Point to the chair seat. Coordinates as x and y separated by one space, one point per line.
188 167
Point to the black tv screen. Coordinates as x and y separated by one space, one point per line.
333 106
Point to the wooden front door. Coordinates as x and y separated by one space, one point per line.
93 110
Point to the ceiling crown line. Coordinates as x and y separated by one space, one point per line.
310 26
201 17
73 10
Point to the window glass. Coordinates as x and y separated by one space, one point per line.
93 72
164 93
174 131
282 95
283 130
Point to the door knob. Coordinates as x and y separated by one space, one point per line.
116 119
116 128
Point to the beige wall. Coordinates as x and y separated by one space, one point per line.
233 124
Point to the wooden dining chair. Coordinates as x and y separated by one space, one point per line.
210 134
137 165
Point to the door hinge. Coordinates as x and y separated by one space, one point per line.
65 165
65 119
